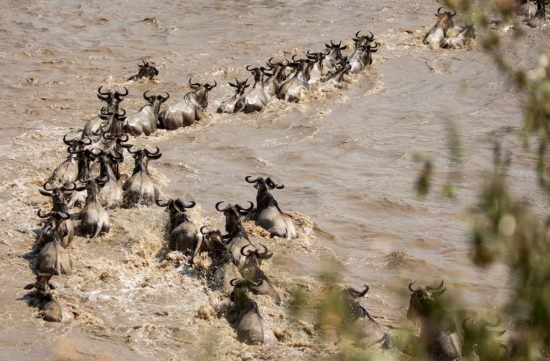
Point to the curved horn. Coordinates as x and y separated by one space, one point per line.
247 179
412 289
61 215
265 254
245 210
155 154
193 84
247 68
119 95
221 210
165 98
370 37
121 115
183 205
273 184
66 188
41 215
203 230
453 13
270 61
47 185
249 252
147 97
213 86
68 142
430 288
160 204
439 10
354 293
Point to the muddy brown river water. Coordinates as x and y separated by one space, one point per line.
344 155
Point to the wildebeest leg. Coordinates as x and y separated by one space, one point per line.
541 10
97 231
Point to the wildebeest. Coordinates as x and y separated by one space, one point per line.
366 330
361 57
246 317
256 99
146 70
336 75
189 110
140 187
334 54
316 71
267 214
464 36
251 270
145 120
53 259
293 88
67 171
439 31
184 235
110 194
274 81
113 100
50 309
94 219
228 106
438 335
56 222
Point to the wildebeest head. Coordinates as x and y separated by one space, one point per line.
141 157
263 184
240 291
233 215
146 70
256 72
254 256
445 18
278 68
112 99
176 209
240 86
423 301
59 195
335 50
155 100
362 40
201 92
115 121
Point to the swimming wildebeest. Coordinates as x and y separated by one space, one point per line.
439 31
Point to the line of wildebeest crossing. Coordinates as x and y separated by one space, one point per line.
88 184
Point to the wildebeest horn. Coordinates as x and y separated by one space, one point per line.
165 98
218 207
248 180
270 61
194 84
243 210
147 97
265 254
182 204
41 215
65 188
119 95
100 92
203 229
121 115
86 141
153 155
68 142
439 10
453 13
430 288
160 204
370 37
235 282
354 293
212 86
249 252
273 184
249 66
412 289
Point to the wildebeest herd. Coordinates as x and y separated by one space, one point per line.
85 186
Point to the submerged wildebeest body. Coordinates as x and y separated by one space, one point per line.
184 235
295 86
246 317
256 99
146 71
145 120
464 36
189 110
111 194
113 99
250 270
439 31
367 331
140 187
438 335
267 214
94 219
228 106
